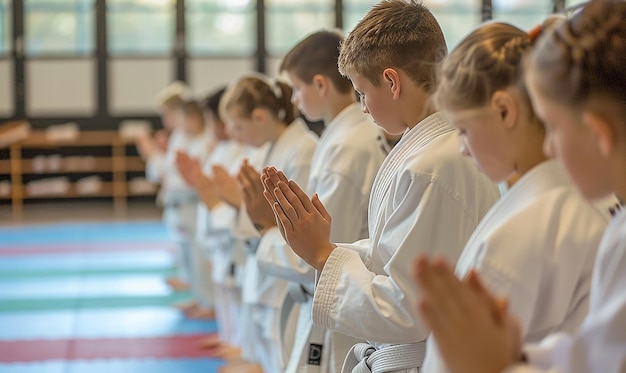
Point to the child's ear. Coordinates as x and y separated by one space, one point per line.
392 79
258 116
321 84
506 107
602 131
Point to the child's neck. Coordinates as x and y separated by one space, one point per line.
337 104
530 149
276 130
193 132
416 106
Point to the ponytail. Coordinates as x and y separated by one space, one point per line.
257 91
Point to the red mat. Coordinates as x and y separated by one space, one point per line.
79 349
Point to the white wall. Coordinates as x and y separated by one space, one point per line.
7 96
272 64
134 84
69 87
205 75
60 87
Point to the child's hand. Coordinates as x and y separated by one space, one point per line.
305 223
270 179
146 146
226 186
472 328
189 168
258 208
207 192
160 140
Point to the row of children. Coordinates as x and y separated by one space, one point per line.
504 96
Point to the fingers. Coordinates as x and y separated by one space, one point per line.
440 287
498 306
302 196
250 178
247 191
286 203
269 194
220 172
295 202
268 183
434 313
281 217
319 206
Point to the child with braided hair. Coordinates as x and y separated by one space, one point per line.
537 244
577 86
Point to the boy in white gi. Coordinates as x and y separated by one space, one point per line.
426 198
576 83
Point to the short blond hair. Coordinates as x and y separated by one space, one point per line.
401 34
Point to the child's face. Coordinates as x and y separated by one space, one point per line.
215 125
243 129
171 117
193 124
307 98
570 141
379 103
484 138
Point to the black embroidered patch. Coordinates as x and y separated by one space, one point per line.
315 354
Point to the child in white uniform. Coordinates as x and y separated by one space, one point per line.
180 201
153 149
576 84
259 113
218 255
537 245
426 198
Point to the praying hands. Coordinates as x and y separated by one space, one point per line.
257 207
303 222
473 329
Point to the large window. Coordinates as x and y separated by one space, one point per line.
141 27
59 27
353 12
456 17
524 14
5 28
220 27
288 21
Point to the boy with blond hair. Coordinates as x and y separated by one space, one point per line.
426 199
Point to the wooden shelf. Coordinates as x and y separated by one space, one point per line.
94 165
117 165
39 139
106 190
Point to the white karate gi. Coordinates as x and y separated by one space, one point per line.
535 247
427 199
180 201
599 345
263 294
217 255
346 160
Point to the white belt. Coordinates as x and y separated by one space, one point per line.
364 358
